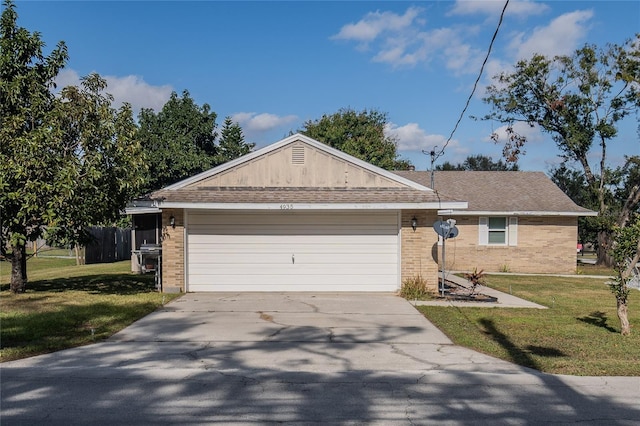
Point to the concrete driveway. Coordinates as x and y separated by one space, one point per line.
297 358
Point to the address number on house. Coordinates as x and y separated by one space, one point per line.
286 206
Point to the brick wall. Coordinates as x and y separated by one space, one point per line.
545 245
173 251
419 247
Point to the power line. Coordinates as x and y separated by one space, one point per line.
475 86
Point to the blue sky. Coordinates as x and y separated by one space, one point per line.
273 65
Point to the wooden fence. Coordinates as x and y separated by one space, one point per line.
110 245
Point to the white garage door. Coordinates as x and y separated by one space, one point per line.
292 251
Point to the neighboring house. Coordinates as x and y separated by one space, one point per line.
297 215
515 221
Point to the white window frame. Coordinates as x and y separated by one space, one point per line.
510 231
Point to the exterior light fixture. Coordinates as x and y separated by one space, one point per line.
172 222
414 223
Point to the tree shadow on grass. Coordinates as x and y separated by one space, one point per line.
126 283
599 319
520 356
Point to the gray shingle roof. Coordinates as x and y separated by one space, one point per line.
500 191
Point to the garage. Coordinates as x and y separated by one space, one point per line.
295 216
292 251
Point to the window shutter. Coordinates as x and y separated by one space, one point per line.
483 231
513 231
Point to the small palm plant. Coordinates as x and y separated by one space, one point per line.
476 279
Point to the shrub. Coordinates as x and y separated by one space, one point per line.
476 278
415 288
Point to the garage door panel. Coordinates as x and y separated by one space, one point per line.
332 251
256 231
295 259
362 249
275 287
278 239
305 270
265 282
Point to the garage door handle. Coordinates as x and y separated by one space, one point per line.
293 258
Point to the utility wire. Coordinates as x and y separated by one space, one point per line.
475 86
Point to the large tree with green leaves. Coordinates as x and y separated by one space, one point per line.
26 101
179 141
232 144
580 100
479 162
100 165
358 133
66 162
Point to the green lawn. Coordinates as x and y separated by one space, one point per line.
579 334
67 305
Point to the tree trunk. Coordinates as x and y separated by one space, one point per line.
604 244
18 268
625 328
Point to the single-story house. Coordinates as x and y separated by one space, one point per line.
299 215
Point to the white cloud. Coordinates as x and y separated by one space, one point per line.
560 37
493 8
132 89
375 23
400 40
257 123
411 137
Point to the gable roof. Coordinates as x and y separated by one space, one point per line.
298 137
254 182
502 192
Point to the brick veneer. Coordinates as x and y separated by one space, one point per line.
545 245
173 251
417 247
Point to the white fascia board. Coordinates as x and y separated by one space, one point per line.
309 206
286 141
141 210
520 213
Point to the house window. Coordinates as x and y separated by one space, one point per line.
498 231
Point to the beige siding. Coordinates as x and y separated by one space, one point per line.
419 247
281 169
545 245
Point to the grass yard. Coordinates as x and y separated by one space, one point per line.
67 305
579 334
588 269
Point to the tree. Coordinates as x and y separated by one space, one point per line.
626 255
65 162
26 77
100 165
479 163
232 144
179 141
574 185
360 134
580 101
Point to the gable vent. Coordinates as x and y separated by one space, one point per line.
297 155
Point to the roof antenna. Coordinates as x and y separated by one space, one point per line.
433 160
433 155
